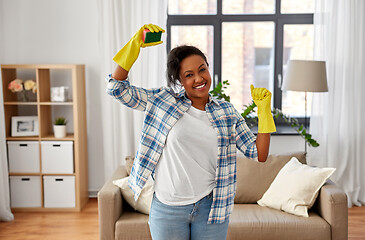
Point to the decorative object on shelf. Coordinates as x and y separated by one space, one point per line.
24 126
59 127
22 87
251 120
59 94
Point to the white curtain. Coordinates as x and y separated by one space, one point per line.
338 117
118 22
5 213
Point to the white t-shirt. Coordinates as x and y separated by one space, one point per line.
186 170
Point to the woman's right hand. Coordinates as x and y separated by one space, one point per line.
129 53
152 28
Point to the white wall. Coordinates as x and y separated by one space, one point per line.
65 31
57 32
289 143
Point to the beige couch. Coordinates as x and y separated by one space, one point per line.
327 218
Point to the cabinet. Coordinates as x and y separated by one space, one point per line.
45 111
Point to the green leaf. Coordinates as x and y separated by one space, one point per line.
60 121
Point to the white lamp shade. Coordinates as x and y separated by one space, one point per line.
305 76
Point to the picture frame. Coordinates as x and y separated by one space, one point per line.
24 126
59 94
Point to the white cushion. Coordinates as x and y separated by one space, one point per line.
143 204
295 188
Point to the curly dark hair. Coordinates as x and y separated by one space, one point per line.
174 59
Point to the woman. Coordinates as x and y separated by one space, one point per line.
188 143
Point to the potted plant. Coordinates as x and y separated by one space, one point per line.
59 127
251 121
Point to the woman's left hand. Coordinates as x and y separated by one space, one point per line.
262 98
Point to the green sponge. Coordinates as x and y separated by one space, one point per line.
149 37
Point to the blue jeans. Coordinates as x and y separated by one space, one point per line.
184 222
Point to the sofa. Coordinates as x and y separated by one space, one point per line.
327 219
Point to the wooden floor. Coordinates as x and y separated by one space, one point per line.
84 225
53 226
357 223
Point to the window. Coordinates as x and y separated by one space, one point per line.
247 42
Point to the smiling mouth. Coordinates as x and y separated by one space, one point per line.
200 86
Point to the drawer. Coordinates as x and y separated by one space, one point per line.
59 191
57 156
25 191
23 156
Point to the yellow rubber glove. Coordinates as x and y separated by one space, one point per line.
262 98
129 53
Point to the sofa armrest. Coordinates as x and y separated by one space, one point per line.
332 206
110 205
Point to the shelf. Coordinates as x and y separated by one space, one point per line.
42 209
56 103
24 174
69 137
21 103
58 174
41 174
25 138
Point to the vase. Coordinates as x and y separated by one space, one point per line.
59 131
23 96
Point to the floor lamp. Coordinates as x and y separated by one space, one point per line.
305 76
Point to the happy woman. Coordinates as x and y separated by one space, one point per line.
188 142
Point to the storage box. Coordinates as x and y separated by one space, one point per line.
59 191
23 156
57 157
25 191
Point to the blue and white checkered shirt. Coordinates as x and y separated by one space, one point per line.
163 108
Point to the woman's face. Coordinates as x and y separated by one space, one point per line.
195 78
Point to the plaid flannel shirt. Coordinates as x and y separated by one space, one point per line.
163 108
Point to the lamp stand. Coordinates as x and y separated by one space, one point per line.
305 120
